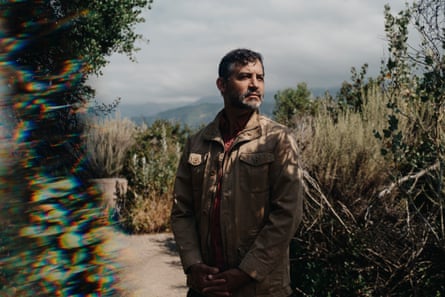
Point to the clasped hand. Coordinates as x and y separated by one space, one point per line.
210 282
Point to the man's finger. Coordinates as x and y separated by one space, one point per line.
219 290
215 282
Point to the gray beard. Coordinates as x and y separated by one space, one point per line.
241 103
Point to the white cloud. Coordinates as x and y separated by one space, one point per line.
315 41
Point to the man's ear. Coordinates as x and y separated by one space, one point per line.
221 85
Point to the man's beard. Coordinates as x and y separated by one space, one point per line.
243 102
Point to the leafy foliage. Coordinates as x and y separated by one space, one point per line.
416 84
292 104
88 31
151 162
415 81
352 94
99 28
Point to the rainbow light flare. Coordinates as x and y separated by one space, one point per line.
53 233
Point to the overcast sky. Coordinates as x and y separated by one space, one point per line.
312 41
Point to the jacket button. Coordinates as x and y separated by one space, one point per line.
212 173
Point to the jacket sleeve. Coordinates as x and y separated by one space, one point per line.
286 209
183 220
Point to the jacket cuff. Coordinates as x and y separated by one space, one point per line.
254 268
190 259
187 268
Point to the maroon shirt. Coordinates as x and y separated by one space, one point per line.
215 220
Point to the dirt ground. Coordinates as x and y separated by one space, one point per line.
150 265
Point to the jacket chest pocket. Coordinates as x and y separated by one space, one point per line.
254 171
197 169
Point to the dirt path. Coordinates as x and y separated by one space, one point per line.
150 265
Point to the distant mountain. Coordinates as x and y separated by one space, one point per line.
197 113
192 115
146 109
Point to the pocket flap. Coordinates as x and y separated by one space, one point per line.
257 159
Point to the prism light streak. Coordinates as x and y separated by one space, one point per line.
52 230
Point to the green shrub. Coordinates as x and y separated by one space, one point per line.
150 168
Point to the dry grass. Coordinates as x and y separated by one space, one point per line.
344 156
107 142
148 214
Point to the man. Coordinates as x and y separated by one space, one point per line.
238 193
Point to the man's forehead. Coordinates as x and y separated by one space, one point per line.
253 66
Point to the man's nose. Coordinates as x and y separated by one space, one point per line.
254 83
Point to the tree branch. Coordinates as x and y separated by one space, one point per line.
387 190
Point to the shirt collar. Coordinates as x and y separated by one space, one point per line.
240 124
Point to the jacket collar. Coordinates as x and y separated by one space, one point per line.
251 131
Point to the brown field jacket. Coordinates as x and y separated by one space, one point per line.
261 202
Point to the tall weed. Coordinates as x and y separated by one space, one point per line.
107 142
343 155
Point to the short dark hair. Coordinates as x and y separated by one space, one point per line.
239 56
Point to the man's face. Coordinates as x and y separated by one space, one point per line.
244 88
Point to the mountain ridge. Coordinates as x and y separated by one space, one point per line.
195 113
